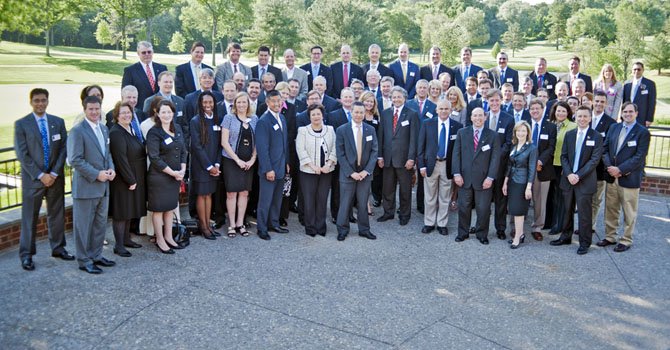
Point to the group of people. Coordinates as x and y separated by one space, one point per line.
262 142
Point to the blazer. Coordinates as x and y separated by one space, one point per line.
458 75
30 152
255 72
347 157
355 72
309 145
511 76
300 105
225 72
324 71
521 167
630 159
184 83
645 99
399 147
88 159
429 108
592 150
426 72
204 156
337 118
162 155
603 125
546 147
136 75
412 76
475 166
272 145
330 104
428 144
548 83
504 129
176 100
587 79
525 116
299 75
109 117
381 68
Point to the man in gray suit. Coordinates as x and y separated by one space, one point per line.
226 70
356 147
39 143
88 153
291 71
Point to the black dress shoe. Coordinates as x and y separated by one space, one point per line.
403 222
385 218
282 222
341 236
483 241
168 251
63 255
263 235
277 229
420 210
427 229
27 264
604 243
122 253
311 234
621 248
442 230
472 230
460 239
178 246
323 234
582 250
104 262
131 244
352 220
91 268
376 203
501 234
559 241
368 235
293 208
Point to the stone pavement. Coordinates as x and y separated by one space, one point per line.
406 290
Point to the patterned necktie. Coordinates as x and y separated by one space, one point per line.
436 69
101 139
420 107
348 116
465 76
359 143
540 81
493 123
150 75
442 142
622 137
485 105
136 128
578 151
395 120
235 68
517 117
262 72
345 74
45 142
476 139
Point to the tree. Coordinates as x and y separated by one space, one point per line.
516 11
148 9
495 50
438 30
276 25
629 39
401 28
103 35
559 11
473 24
514 38
42 15
119 14
652 11
178 43
592 23
658 53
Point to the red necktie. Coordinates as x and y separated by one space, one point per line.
476 139
395 119
420 106
345 75
150 75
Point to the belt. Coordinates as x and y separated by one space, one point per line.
441 159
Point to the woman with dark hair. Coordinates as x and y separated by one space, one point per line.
561 115
167 153
205 159
128 192
89 90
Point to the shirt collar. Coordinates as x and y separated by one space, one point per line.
92 124
38 118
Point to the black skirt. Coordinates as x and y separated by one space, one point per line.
517 204
235 178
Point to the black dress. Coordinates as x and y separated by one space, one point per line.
235 178
203 156
520 172
164 151
130 162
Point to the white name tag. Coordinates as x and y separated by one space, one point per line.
452 137
405 123
644 92
602 134
216 127
55 137
180 113
429 115
368 138
632 143
590 143
549 87
168 140
486 148
411 74
455 113
501 130
246 77
108 141
308 73
509 80
374 121
544 137
276 127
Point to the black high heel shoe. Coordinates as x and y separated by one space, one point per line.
207 235
169 251
513 246
178 246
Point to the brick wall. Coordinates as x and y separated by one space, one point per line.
656 185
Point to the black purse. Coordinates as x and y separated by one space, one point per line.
179 233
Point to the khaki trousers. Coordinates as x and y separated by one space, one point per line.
617 198
437 191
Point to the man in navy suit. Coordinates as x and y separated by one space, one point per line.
272 149
626 148
372 78
465 69
642 92
165 83
295 97
433 70
329 103
263 66
471 92
143 74
186 75
191 100
434 154
502 74
575 74
543 79
481 102
405 73
344 72
374 53
519 111
315 68
601 123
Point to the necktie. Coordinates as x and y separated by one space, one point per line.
467 73
622 137
374 92
101 139
540 81
633 91
150 75
442 142
517 117
493 122
485 105
404 71
476 139
348 116
345 74
230 108
315 71
502 77
436 70
45 142
536 133
262 72
235 68
359 143
395 119
136 128
578 151
420 107
197 77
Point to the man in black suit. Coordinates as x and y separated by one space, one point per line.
143 74
481 102
187 74
433 70
329 103
471 91
129 95
315 68
254 91
397 134
465 69
642 92
601 123
344 71
356 147
39 143
475 165
293 95
268 81
263 66
374 53
519 111
543 79
502 74
336 119
575 74
582 149
434 154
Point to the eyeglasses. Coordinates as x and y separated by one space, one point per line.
636 69
146 52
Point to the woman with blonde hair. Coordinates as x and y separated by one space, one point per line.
459 109
608 83
372 118
434 91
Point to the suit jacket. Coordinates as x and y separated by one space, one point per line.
87 160
548 83
191 110
521 168
255 71
30 152
300 105
546 147
355 72
475 166
504 129
109 117
330 104
409 83
525 115
225 72
511 76
426 72
301 76
399 147
176 100
337 118
458 75
381 68
645 99
603 125
324 71
184 82
592 150
429 142
429 108
347 157
272 145
587 80
630 159
136 75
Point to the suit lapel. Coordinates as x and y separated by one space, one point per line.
91 135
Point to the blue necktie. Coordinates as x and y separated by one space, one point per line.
465 76
502 77
485 105
578 151
442 142
536 133
45 142
136 128
348 116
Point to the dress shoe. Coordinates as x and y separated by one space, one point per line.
376 203
91 268
368 235
427 229
311 234
334 221
178 246
582 250
104 262
442 230
537 235
621 248
63 255
404 222
293 208
560 242
472 230
483 241
352 220
27 264
385 218
501 234
554 232
341 236
604 243
122 253
282 222
322 234
263 235
168 251
460 239
131 244
207 235
277 229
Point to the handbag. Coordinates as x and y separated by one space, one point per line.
288 181
179 233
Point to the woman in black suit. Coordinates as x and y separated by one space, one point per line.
519 178
167 153
128 191
205 159
372 118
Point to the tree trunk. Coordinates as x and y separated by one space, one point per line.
148 20
214 25
47 37
124 40
272 56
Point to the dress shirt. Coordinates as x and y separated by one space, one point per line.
595 120
194 72
46 120
289 72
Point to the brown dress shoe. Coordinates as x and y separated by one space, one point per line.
537 235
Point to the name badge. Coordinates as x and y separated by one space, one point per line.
509 80
180 113
108 141
308 73
429 115
452 137
55 137
644 92
501 130
590 143
246 77
549 87
632 143
405 123
216 128
455 113
276 127
375 121
544 137
486 148
368 138
411 74
602 134
168 140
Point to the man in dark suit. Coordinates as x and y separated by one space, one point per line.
356 147
481 102
433 70
336 119
434 154
263 66
397 134
329 103
294 95
600 122
475 165
344 72
88 153
405 73
626 148
372 80
582 149
143 74
575 74
465 69
129 95
502 74
227 70
642 92
374 53
229 91
519 111
165 84
543 79
315 68
39 143
508 93
272 149
471 91
302 118
254 91
187 74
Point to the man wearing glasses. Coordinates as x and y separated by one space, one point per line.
143 74
642 92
